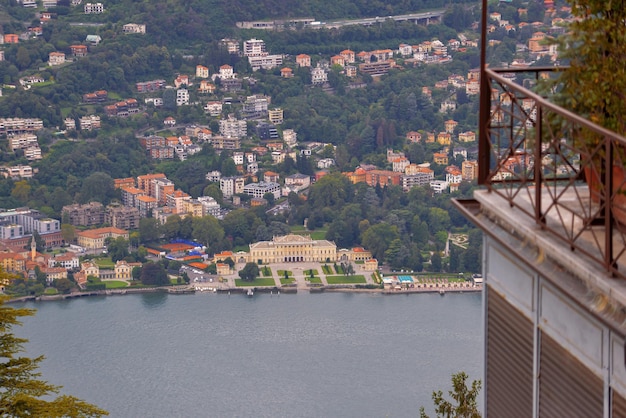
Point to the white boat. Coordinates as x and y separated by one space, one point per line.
250 293
442 292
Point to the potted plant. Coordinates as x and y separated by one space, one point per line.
593 85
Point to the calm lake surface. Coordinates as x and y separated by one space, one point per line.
296 355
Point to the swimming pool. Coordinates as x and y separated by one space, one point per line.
405 279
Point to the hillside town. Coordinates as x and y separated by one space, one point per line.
249 132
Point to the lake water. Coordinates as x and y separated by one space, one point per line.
296 355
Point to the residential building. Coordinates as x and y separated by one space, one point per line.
18 172
148 86
130 195
55 58
337 60
303 60
93 39
399 164
22 141
96 97
286 72
444 138
16 126
93 239
266 131
297 182
348 56
290 138
122 217
467 137
382 178
206 87
350 71
440 158
450 125
231 186
469 170
417 179
213 176
202 71
182 97
33 153
213 108
125 182
255 107
266 62
231 127
231 45
79 50
145 205
70 124
270 177
254 48
210 206
11 38
226 72
275 116
318 75
376 68
93 8
260 189
225 143
177 200
89 122
89 214
134 28
414 136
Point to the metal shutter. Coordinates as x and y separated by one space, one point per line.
566 387
509 371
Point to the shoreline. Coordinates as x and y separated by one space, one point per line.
180 290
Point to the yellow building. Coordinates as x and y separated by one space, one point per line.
94 238
292 248
123 271
301 248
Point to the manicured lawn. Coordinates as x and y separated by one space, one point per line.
284 281
265 271
319 234
115 284
104 262
356 279
259 281
314 280
281 273
238 248
327 270
51 291
296 229
339 269
307 273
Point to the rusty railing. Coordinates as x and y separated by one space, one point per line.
556 167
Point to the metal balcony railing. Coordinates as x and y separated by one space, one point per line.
556 167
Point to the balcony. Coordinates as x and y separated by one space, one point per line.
558 170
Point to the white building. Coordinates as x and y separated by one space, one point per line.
259 190
213 108
290 137
93 8
439 186
233 128
318 75
182 97
134 28
265 62
254 48
231 186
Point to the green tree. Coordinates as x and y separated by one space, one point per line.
207 230
117 248
22 389
68 232
63 285
249 272
148 230
153 274
463 404
377 239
